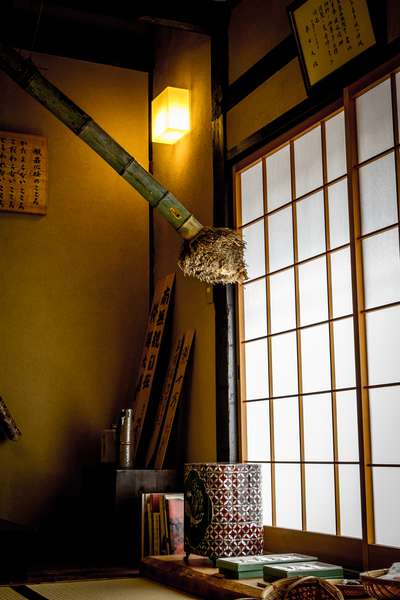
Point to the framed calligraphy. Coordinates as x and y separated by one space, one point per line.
329 33
23 173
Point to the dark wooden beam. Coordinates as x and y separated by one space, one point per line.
175 24
322 95
267 66
224 296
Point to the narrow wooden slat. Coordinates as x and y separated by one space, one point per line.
165 394
158 317
396 135
298 339
366 489
331 330
269 346
174 400
241 370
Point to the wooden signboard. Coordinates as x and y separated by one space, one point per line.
165 394
23 173
154 335
174 399
329 33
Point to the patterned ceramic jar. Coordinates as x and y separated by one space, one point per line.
223 510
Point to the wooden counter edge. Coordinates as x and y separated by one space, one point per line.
193 581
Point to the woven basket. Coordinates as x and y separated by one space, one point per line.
349 590
380 588
301 588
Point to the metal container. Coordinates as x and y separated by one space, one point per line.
126 456
223 509
125 426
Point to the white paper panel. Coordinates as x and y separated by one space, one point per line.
342 300
343 337
252 193
313 291
256 364
254 253
258 440
384 409
350 501
315 359
398 99
288 496
374 121
310 226
317 419
378 194
266 494
255 309
383 345
284 364
386 491
381 268
308 162
283 309
338 214
347 428
320 498
279 187
286 429
280 232
335 146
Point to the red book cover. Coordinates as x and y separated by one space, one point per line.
175 508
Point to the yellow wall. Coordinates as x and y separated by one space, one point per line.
183 60
255 28
267 102
73 290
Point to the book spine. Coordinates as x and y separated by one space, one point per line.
149 525
175 522
156 533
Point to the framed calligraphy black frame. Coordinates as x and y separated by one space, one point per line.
329 34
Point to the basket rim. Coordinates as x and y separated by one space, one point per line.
373 578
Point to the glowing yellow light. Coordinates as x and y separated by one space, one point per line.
170 115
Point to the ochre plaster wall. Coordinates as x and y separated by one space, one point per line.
255 28
73 292
183 60
267 102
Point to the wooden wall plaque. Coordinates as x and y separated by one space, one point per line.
329 33
23 173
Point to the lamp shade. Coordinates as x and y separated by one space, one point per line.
223 510
170 115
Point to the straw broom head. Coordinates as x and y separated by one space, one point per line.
214 255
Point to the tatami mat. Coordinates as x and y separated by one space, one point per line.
6 593
107 589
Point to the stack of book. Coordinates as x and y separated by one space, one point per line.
276 566
303 569
247 567
162 524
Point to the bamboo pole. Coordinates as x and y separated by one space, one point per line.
211 255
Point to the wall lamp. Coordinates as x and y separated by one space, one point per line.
170 115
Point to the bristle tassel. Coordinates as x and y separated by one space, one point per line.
215 255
